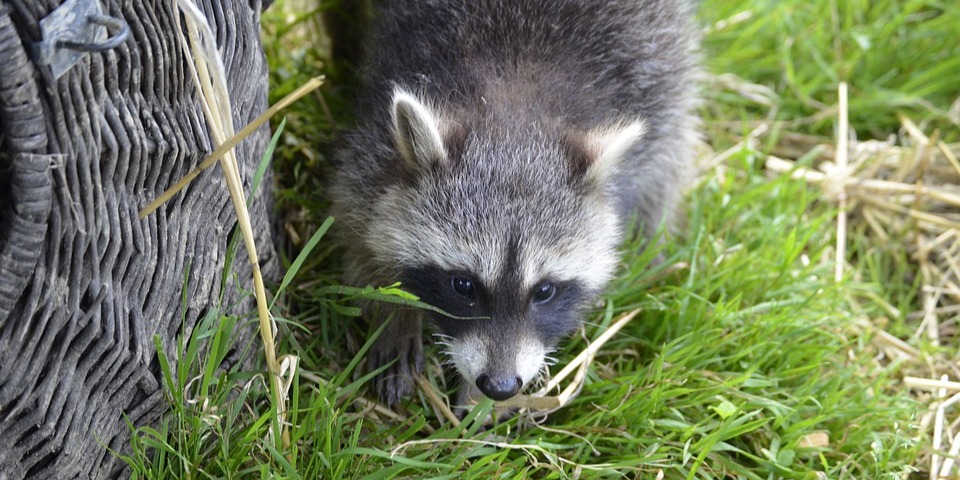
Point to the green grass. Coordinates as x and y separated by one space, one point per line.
896 56
738 360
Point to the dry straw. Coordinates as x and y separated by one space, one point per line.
906 188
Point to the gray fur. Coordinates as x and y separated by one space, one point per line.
559 121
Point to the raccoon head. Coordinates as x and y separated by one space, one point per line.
508 227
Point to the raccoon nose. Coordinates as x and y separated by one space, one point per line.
499 388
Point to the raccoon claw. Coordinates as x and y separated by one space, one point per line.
396 382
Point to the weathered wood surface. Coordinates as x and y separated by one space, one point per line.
84 283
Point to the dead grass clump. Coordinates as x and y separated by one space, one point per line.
906 190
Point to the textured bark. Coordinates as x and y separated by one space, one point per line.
84 283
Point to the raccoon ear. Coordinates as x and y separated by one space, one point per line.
596 154
416 132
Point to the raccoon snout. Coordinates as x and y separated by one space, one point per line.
499 388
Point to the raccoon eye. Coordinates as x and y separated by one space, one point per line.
544 292
463 286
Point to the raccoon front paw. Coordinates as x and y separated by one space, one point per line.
396 382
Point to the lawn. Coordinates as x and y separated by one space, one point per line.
753 354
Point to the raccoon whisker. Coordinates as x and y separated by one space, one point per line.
445 341
449 356
544 373
448 363
549 361
539 380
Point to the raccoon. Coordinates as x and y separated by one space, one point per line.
502 149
